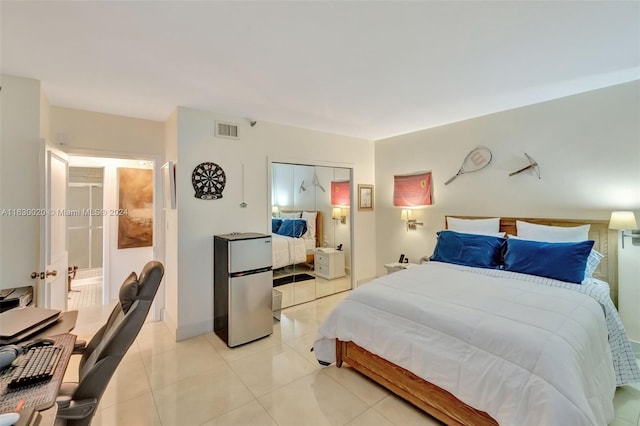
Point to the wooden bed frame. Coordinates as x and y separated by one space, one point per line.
319 234
436 401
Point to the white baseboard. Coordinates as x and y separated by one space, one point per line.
195 329
364 281
171 323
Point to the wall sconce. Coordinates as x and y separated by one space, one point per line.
405 215
336 214
275 211
624 221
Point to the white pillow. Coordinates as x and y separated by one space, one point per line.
592 263
489 226
290 215
310 217
552 234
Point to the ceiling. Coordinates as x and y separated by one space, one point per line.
365 69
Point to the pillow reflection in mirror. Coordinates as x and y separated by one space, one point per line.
310 217
290 215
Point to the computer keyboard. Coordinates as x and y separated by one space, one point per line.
36 366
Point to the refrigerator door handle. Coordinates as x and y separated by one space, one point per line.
254 271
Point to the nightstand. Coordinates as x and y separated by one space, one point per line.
397 266
329 263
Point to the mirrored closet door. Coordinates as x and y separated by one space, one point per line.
311 228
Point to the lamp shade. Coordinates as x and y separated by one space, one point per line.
623 221
340 193
336 213
405 214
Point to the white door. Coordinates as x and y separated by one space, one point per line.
52 286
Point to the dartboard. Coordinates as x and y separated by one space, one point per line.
208 180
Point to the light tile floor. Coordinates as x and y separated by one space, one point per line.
273 381
82 296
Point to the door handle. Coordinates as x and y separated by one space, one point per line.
43 275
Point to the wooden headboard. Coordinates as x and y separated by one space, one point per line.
319 229
605 241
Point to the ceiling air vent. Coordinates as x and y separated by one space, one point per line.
226 130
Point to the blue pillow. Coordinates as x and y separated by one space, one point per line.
292 228
275 225
560 261
480 251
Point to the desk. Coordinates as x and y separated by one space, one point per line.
42 396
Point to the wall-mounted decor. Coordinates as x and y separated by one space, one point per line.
476 160
340 193
533 165
208 181
135 202
365 197
413 190
169 185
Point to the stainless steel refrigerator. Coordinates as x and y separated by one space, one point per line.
242 284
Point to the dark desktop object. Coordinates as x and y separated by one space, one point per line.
15 297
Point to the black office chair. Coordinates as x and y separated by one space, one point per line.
77 402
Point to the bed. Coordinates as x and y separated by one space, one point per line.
490 346
290 250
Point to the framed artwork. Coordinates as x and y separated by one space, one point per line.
169 185
135 202
365 197
413 190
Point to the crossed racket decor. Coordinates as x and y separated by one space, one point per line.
533 165
480 157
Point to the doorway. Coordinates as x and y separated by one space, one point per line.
95 233
85 233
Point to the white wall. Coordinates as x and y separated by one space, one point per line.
629 288
171 231
587 146
198 220
19 179
86 131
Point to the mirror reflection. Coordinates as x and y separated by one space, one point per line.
311 232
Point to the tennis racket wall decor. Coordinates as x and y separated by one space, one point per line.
476 160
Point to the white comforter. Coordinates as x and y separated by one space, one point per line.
287 250
525 353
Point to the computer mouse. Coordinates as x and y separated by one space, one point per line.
9 353
9 419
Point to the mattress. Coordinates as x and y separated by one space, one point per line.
287 250
524 349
